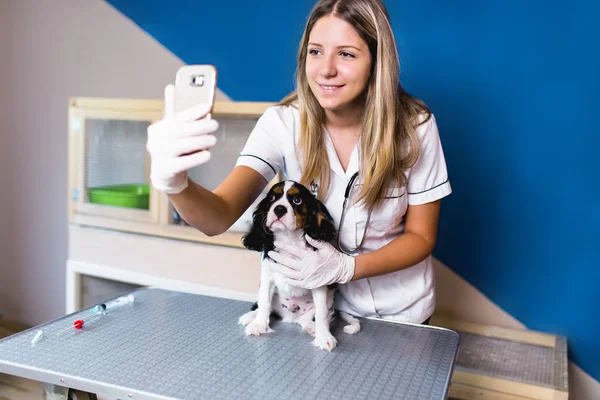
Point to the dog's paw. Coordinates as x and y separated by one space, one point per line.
353 323
257 328
351 329
309 328
325 342
247 318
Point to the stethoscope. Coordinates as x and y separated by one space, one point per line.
314 188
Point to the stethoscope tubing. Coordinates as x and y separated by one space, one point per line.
342 217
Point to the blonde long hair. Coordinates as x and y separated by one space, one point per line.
389 142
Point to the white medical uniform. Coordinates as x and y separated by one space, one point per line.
407 295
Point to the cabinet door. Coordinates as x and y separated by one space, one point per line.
110 167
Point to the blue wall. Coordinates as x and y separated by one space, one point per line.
514 86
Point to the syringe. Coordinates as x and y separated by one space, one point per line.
118 302
81 322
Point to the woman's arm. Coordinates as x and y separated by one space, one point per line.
214 212
303 267
410 248
182 141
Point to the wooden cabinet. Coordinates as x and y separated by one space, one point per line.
109 166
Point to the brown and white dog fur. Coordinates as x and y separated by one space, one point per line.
286 215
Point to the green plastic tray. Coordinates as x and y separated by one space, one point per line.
129 196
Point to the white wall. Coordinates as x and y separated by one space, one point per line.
6 144
59 49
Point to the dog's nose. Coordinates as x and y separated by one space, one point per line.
280 211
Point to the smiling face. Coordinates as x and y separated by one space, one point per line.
338 64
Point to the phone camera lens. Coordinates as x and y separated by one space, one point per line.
197 80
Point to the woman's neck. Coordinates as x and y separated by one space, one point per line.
344 129
348 119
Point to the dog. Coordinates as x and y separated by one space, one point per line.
288 212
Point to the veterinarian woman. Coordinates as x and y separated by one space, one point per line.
352 131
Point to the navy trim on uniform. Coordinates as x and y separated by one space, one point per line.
252 155
446 181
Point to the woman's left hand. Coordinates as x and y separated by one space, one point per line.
310 269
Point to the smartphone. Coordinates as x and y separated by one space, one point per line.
195 84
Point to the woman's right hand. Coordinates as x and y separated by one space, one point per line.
179 142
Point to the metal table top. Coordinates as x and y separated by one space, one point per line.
177 345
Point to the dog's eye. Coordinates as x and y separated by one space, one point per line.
271 197
296 200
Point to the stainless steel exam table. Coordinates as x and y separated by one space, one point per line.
184 346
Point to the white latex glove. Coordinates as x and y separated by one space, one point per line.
173 138
310 269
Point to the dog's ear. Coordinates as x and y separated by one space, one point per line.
320 224
259 237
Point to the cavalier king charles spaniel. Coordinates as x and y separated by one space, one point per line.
286 215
